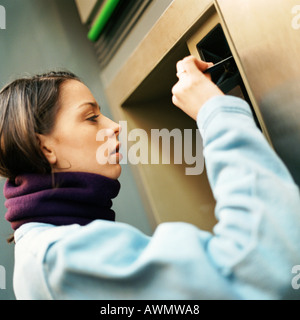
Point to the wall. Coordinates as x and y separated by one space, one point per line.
44 35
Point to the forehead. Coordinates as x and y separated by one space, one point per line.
73 93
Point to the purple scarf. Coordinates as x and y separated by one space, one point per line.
76 197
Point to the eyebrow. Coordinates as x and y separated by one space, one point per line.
93 104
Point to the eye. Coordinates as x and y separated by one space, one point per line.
93 118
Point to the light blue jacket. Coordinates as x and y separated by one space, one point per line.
250 254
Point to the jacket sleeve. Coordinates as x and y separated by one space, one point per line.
250 254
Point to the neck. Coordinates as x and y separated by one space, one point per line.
62 199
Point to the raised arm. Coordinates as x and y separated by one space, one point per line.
250 255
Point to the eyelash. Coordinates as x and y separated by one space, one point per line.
93 118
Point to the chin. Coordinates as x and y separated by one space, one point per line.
120 171
112 172
115 172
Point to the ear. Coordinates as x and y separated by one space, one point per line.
47 149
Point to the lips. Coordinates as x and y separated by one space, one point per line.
116 150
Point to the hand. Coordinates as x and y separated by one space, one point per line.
194 87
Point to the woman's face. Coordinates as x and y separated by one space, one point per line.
72 144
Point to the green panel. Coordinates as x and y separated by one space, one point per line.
104 15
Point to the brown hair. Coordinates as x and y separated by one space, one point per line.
28 107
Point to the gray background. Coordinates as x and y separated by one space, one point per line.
42 35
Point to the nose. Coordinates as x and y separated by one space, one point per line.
115 127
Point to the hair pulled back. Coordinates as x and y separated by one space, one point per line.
28 107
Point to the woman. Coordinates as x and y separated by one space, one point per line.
59 201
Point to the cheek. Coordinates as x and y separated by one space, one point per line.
81 142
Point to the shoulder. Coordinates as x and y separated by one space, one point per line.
39 235
35 242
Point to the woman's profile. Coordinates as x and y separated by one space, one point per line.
59 201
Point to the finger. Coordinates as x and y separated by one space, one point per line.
181 73
179 66
192 65
203 65
175 91
180 69
175 101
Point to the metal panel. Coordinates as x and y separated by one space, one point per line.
266 37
